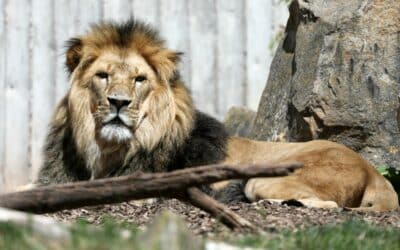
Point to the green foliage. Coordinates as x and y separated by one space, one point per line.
388 171
108 236
349 235
392 174
383 170
13 237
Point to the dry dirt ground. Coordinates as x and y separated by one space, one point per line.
269 216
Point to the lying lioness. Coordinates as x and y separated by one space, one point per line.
128 110
333 175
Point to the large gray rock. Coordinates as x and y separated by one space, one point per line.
336 76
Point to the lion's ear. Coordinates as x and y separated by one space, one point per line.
175 56
74 54
165 63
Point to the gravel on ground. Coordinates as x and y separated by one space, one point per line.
266 215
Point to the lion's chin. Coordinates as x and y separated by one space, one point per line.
116 133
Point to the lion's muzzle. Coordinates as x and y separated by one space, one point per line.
117 124
118 102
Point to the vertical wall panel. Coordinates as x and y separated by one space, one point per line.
89 12
65 15
17 93
174 29
231 54
119 10
148 11
2 94
202 30
42 76
258 36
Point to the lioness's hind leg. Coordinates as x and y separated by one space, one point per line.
283 189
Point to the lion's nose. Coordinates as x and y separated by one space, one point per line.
118 102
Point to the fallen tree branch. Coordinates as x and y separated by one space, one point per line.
218 210
140 186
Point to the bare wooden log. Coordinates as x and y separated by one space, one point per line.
138 186
218 210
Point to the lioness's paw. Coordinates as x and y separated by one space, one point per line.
292 202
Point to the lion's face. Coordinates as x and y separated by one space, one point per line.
125 94
119 85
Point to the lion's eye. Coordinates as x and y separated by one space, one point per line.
140 79
102 75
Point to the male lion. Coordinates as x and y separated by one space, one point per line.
128 110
